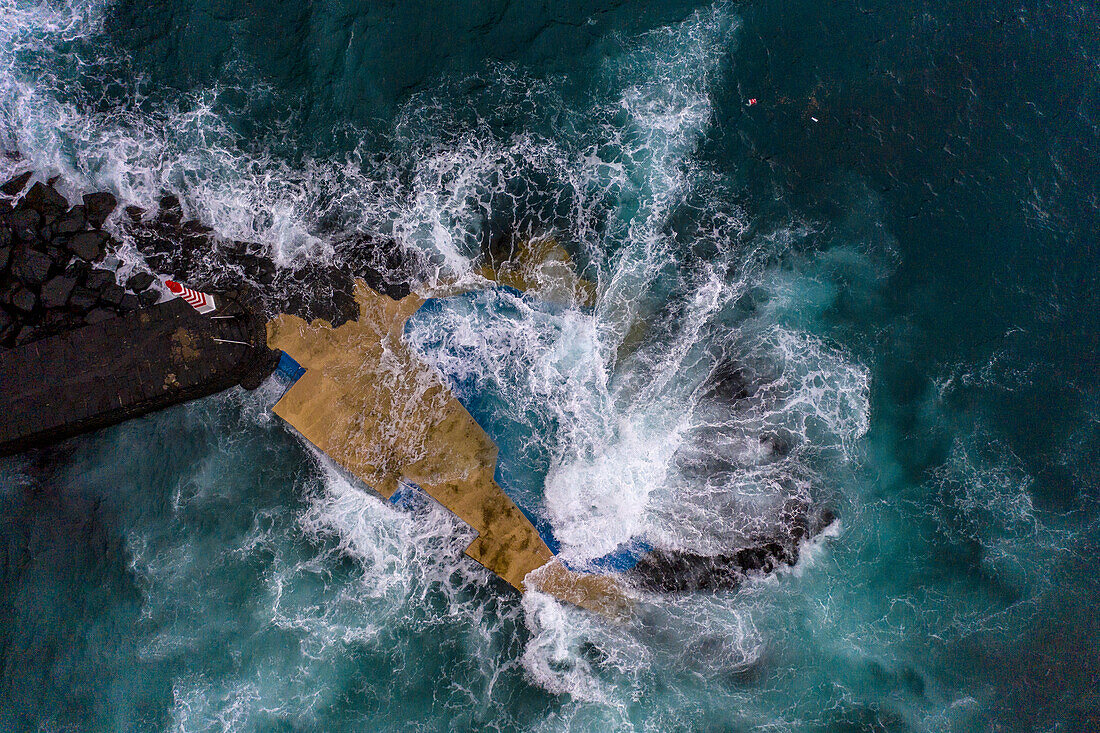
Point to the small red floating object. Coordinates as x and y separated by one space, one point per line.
751 102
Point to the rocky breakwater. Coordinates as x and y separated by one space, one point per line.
82 347
55 273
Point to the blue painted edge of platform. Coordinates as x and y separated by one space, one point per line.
410 498
289 370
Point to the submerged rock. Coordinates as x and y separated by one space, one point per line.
680 571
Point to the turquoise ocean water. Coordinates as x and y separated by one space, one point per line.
896 245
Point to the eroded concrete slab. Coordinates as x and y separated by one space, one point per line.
378 410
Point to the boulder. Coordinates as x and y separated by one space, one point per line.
139 282
170 211
24 224
148 298
46 201
129 303
22 299
5 258
135 213
385 265
112 294
682 571
56 292
78 269
98 206
98 315
82 299
319 290
32 267
59 255
14 185
71 222
88 245
674 571
99 279
260 269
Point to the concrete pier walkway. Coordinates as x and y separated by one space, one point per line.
123 367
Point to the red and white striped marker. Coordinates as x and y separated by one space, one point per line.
201 302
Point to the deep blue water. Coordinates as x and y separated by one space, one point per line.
896 243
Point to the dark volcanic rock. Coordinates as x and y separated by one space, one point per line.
71 222
148 298
24 224
87 245
27 334
674 571
139 282
678 571
5 258
98 315
112 294
14 185
99 279
22 299
32 267
170 211
129 303
98 206
78 269
259 269
59 255
83 299
56 292
57 321
46 201
385 266
318 290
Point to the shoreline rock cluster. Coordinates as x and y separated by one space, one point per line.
55 274
57 271
309 289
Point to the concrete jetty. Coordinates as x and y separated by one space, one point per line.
373 406
102 374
